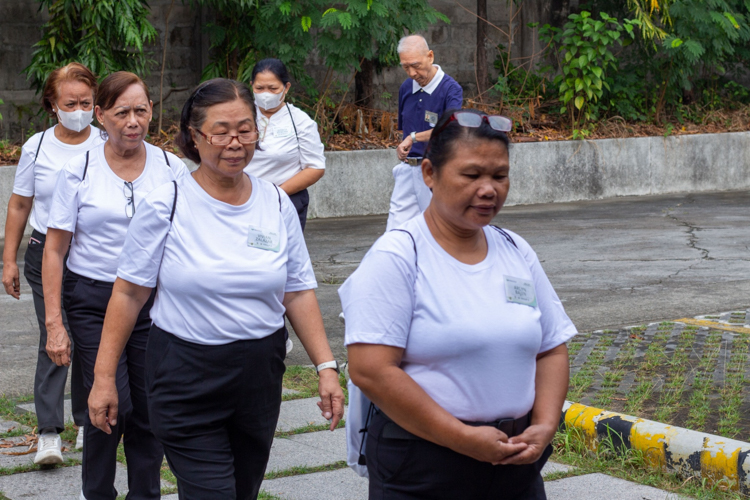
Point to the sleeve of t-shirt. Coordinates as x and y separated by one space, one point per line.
177 165
311 147
299 271
454 98
557 328
63 212
23 185
378 298
143 250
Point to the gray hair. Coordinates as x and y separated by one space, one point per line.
413 42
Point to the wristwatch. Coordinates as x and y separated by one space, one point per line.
413 136
328 364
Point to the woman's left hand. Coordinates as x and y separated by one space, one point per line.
537 437
331 402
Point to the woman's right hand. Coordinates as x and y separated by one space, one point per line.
488 444
58 344
11 280
103 404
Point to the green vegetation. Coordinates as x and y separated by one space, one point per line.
296 471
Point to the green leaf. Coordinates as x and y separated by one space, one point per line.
306 22
732 20
597 71
579 102
330 11
676 42
579 84
582 61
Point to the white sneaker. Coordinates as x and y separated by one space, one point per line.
341 318
289 345
79 439
49 449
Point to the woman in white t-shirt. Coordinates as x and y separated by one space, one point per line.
456 335
291 153
68 95
96 196
226 254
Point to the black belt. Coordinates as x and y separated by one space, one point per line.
510 426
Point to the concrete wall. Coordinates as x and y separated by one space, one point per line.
360 182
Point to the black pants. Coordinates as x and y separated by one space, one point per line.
49 379
301 200
402 469
215 409
86 303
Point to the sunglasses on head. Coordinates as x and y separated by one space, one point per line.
474 120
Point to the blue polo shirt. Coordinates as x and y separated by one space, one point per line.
414 106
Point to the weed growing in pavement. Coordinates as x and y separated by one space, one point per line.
700 403
8 412
308 428
582 380
609 458
296 471
644 382
734 381
674 385
31 467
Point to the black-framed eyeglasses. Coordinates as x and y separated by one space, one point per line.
474 120
226 139
127 190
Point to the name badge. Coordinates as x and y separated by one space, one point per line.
520 291
431 118
282 132
263 239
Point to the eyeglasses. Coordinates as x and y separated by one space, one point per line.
127 190
226 139
473 120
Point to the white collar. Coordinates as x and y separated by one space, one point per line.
430 88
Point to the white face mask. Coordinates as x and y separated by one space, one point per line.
75 120
267 100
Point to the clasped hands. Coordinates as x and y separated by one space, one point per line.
488 444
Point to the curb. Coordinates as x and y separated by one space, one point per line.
685 452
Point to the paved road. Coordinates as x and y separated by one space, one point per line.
613 262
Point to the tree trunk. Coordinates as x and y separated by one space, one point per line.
481 53
364 86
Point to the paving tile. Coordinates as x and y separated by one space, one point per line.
10 425
299 413
601 486
342 484
61 483
552 467
311 450
66 409
8 461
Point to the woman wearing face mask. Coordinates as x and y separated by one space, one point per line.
96 196
291 154
69 96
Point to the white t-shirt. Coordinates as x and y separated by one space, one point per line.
38 178
94 208
212 286
281 158
470 348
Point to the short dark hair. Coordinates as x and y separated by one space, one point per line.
115 85
275 66
208 94
440 148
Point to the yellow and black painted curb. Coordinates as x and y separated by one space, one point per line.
688 453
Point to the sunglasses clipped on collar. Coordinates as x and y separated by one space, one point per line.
473 120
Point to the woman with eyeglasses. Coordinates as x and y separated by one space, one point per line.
96 197
456 335
291 152
229 257
68 96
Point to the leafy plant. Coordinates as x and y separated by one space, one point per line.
584 47
105 35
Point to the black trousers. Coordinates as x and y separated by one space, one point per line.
402 469
215 409
86 303
301 201
49 379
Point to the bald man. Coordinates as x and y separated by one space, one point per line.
423 97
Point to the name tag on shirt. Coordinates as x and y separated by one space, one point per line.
263 239
282 132
520 291
431 118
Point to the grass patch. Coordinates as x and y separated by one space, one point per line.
632 465
8 412
734 382
262 495
31 467
297 471
674 386
653 358
700 402
583 379
304 380
308 428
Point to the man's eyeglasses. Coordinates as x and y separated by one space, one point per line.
226 139
127 190
473 120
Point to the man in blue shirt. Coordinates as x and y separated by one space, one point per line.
422 98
